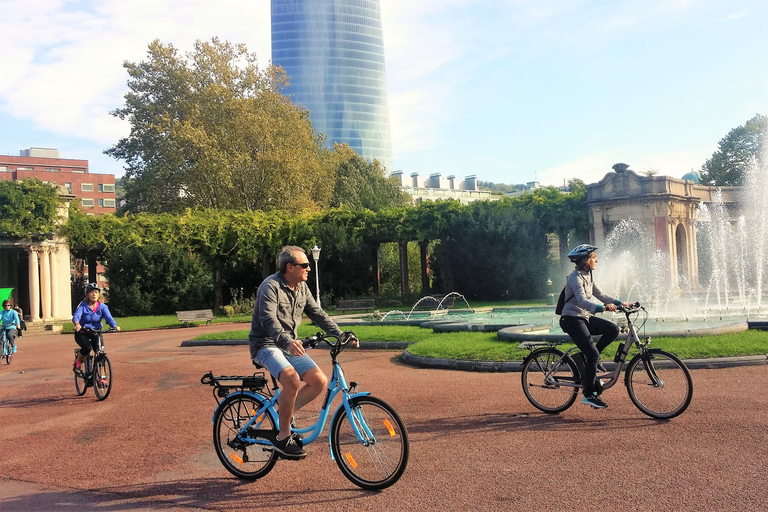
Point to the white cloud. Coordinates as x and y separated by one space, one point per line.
63 61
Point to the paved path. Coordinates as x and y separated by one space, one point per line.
477 444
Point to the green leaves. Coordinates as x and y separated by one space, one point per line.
735 153
28 209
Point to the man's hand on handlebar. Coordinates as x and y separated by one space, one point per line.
350 338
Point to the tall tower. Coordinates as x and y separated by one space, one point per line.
333 52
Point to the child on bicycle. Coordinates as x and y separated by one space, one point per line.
10 323
89 314
578 319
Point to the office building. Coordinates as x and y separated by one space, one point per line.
333 52
94 192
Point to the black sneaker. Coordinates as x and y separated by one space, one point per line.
297 439
288 448
594 401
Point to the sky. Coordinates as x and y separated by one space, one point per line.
511 91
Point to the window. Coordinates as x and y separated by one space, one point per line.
69 187
86 187
53 170
87 202
3 168
24 169
79 171
106 187
108 203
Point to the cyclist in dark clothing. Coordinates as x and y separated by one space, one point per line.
578 319
89 314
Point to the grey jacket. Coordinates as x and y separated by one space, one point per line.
278 312
579 290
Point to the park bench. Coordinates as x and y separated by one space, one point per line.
355 305
196 315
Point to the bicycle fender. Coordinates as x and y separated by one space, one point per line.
638 356
256 396
337 412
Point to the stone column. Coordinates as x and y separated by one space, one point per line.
45 285
54 284
34 286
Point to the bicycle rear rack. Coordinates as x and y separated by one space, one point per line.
224 385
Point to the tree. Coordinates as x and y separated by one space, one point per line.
212 130
735 153
360 184
28 209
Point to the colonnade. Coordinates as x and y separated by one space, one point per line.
49 282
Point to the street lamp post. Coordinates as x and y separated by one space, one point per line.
316 256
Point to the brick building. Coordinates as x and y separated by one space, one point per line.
94 192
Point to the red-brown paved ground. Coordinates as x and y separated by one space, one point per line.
476 443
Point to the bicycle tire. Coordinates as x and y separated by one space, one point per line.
8 351
540 371
102 377
81 384
659 384
247 461
381 460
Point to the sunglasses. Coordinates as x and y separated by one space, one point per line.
7 306
302 265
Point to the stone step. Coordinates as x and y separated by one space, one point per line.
37 328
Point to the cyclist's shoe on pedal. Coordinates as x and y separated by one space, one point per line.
289 449
297 439
594 401
102 383
76 365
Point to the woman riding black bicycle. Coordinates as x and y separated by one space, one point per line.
89 314
578 318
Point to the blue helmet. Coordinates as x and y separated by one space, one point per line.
581 251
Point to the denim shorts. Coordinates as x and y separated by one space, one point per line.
275 360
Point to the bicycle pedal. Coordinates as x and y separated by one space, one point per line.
292 457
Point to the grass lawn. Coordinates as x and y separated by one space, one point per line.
478 346
474 346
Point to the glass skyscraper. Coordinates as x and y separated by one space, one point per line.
333 52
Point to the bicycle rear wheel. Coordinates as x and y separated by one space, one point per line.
379 460
542 371
659 384
244 459
102 377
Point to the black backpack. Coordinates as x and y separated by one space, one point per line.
560 303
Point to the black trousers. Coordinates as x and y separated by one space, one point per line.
581 330
87 341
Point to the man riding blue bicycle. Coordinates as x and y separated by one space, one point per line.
281 301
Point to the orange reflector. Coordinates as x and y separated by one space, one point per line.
390 428
351 460
237 458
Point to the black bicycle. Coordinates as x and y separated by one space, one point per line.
658 383
96 370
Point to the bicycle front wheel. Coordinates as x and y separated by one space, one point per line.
8 351
659 384
379 459
549 381
244 459
102 377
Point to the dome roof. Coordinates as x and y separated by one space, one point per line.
693 176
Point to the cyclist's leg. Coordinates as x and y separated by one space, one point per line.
315 381
84 343
10 334
608 330
578 330
273 359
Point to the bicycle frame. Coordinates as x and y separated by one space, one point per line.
611 378
336 385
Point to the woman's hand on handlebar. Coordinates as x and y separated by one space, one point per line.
611 307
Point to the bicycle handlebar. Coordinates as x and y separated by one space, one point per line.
88 329
634 308
341 341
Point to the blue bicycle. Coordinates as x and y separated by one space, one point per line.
7 349
367 438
